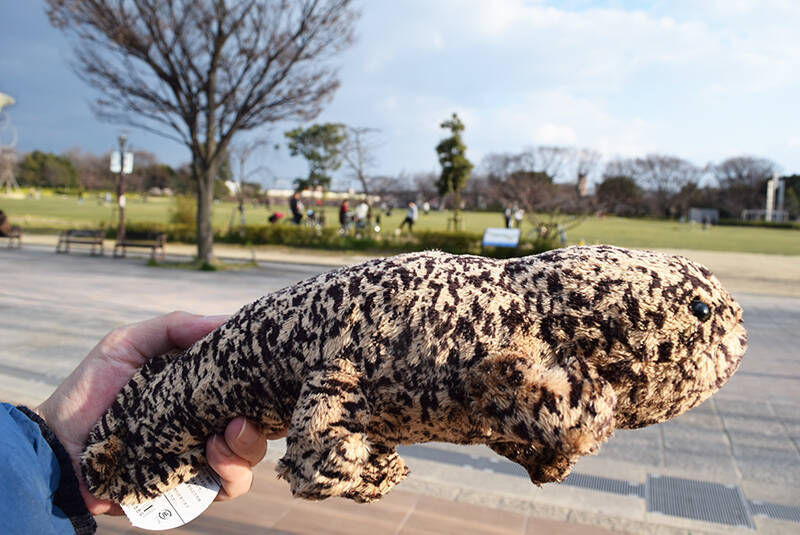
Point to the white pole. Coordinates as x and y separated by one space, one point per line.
770 199
779 203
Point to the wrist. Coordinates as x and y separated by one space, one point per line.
68 497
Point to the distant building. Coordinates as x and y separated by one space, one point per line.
704 215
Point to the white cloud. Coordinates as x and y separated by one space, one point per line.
557 118
437 40
681 77
555 134
794 142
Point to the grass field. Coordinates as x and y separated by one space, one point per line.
55 212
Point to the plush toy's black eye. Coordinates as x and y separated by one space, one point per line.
700 310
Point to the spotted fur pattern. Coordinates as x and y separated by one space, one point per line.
538 357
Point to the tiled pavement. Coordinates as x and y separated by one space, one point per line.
270 510
54 308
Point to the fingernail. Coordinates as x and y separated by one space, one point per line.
217 317
244 424
222 447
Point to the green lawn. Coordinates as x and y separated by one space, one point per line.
56 212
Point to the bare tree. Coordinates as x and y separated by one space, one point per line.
384 185
144 160
199 71
425 185
555 161
663 177
500 165
744 171
666 173
562 164
358 153
586 163
619 195
550 208
93 172
527 180
242 152
742 182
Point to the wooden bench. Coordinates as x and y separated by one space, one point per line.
94 238
147 240
12 232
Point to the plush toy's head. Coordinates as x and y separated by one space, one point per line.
661 329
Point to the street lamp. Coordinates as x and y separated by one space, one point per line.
121 163
121 188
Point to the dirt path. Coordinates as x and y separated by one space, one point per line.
751 272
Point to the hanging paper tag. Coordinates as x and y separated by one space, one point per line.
178 506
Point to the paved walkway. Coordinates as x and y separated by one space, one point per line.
54 308
270 509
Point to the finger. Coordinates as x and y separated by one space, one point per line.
136 343
234 472
245 440
278 434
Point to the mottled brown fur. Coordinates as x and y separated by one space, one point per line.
538 357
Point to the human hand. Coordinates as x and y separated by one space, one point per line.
77 404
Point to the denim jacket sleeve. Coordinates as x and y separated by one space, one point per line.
38 489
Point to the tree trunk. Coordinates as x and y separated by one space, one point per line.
456 219
205 199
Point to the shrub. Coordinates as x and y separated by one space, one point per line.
449 242
184 211
283 235
175 233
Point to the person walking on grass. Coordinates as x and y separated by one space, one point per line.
296 206
344 216
411 216
519 214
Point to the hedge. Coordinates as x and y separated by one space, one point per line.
767 224
330 238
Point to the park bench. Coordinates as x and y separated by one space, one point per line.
9 231
94 238
143 239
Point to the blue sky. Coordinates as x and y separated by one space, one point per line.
702 80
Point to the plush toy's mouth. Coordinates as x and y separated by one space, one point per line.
729 352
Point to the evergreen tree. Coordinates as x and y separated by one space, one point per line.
321 146
456 167
43 169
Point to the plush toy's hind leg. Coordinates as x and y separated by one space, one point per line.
383 471
326 446
544 464
544 418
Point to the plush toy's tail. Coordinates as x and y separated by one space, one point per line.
151 438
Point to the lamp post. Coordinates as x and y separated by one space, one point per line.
121 188
8 140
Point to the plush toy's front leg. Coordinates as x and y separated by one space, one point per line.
383 471
326 447
544 418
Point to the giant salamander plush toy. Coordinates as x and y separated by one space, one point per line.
540 358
